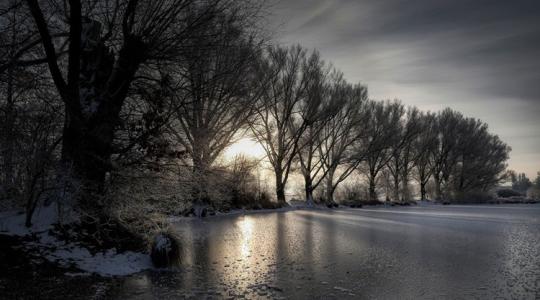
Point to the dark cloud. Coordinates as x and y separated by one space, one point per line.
480 57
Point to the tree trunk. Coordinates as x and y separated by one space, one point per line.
396 188
330 186
438 192
280 193
309 190
372 192
87 149
280 189
405 194
423 190
200 180
91 116
462 176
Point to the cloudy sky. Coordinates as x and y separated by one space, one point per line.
481 57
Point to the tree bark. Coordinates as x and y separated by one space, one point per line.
438 192
309 190
396 188
423 191
405 193
89 127
280 189
372 192
330 186
200 181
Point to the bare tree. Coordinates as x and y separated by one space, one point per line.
381 135
423 146
482 159
17 85
285 74
216 95
400 164
444 155
323 109
398 142
107 43
29 118
341 133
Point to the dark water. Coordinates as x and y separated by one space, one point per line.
432 252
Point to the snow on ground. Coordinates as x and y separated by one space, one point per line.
108 263
12 222
163 244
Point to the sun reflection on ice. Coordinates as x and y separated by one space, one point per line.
246 228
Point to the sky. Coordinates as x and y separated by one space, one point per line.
479 57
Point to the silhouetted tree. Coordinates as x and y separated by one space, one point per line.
216 95
108 43
382 133
323 109
520 182
342 133
286 75
482 158
400 164
423 146
444 156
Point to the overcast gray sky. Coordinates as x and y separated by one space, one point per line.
481 57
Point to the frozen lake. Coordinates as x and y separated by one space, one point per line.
429 252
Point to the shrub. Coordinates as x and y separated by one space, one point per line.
507 193
471 197
533 193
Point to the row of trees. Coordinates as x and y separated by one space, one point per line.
90 88
522 184
345 133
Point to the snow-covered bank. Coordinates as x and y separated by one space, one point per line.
67 254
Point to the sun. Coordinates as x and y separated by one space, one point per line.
247 147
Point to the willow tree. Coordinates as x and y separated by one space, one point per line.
342 133
403 154
381 135
321 108
423 145
217 96
445 154
482 159
108 42
280 120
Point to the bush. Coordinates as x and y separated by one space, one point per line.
371 202
471 197
533 193
507 193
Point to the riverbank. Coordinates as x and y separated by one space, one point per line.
26 274
62 245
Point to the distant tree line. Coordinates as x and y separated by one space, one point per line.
94 92
521 185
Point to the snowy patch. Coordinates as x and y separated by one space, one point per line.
163 243
108 263
12 222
